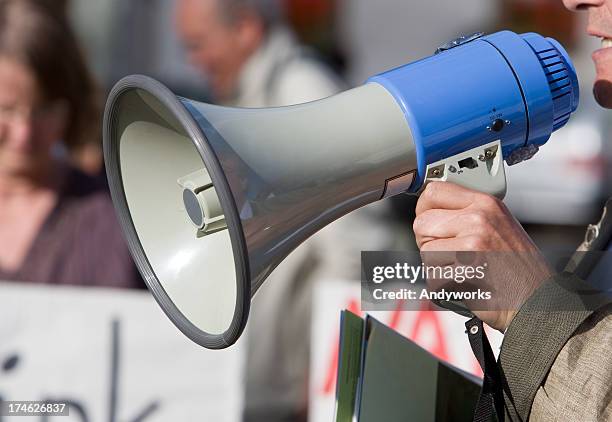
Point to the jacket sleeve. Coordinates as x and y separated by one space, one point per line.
538 338
579 384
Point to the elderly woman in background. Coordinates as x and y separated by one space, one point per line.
57 225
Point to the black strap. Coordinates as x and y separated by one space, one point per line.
490 406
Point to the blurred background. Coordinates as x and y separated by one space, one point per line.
555 194
278 53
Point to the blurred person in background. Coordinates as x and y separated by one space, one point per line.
248 56
57 225
252 59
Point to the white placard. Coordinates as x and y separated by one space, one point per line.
113 355
442 333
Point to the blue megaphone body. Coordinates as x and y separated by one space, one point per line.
476 89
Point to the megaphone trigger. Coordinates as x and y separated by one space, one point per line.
481 168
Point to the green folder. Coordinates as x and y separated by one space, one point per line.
383 376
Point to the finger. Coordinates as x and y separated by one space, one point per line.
445 195
438 258
436 281
469 243
445 224
460 258
439 245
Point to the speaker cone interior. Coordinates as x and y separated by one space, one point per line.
172 194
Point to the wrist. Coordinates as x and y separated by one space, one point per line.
531 288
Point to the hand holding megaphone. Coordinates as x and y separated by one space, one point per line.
451 220
212 199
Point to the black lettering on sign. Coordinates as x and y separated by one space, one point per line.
10 363
115 378
78 409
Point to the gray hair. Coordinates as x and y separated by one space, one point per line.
271 12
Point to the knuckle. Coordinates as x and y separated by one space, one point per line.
431 190
418 225
474 243
428 247
489 202
478 219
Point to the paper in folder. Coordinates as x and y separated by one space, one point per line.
384 377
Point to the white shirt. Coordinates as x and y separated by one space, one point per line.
282 73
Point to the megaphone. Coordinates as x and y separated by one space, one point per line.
211 199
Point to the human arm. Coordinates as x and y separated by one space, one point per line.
546 314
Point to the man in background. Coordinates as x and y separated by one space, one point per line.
248 56
251 59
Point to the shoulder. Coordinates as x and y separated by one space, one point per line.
306 79
89 220
87 199
86 214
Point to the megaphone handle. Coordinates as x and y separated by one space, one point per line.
482 169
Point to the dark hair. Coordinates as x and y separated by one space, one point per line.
37 34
